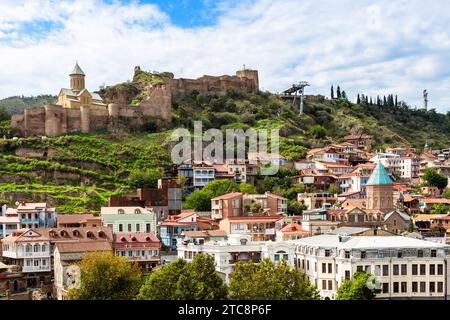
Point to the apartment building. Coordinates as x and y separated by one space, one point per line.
129 219
238 204
404 268
260 228
317 200
143 248
236 248
201 175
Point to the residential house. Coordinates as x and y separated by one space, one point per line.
317 200
129 219
259 227
292 231
362 141
78 221
143 248
66 255
188 220
236 248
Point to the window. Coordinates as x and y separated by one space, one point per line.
396 270
414 270
121 211
363 254
385 270
138 227
404 287
324 284
120 227
396 287
129 227
359 269
330 268
347 254
327 253
422 269
277 257
422 286
330 284
420 253
303 264
440 269
324 267
399 254
367 269
404 269
440 287
307 264
377 270
433 253
137 211
432 287
380 255
285 257
385 287
414 287
432 269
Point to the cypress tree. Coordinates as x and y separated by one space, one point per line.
332 92
338 92
358 100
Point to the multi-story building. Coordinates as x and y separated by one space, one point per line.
129 219
9 222
78 221
188 220
317 200
238 204
259 227
66 256
163 200
143 248
201 175
363 141
404 268
236 248
403 167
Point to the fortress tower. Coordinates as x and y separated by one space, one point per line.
380 195
249 74
77 77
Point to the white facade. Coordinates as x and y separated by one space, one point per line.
403 167
237 248
405 268
201 176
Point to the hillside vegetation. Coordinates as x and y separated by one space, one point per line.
16 105
77 173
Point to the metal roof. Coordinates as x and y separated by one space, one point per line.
379 176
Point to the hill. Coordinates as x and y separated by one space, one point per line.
77 173
16 105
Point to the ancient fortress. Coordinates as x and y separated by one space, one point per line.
78 110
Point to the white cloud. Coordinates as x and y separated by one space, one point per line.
366 46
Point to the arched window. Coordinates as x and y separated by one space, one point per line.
137 211
64 233
52 233
28 248
89 234
44 248
101 234
36 248
133 239
76 233
244 242
123 239
147 239
121 211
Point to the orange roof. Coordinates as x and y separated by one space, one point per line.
435 200
228 196
293 228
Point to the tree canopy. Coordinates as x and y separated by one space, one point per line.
105 276
269 280
356 289
434 179
181 280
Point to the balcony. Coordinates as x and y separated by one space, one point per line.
144 258
40 254
36 268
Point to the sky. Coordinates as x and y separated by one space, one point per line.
372 47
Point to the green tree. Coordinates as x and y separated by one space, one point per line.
439 208
199 200
105 276
434 179
295 208
411 226
145 178
255 207
292 192
247 188
269 280
356 289
446 193
318 131
220 187
333 189
181 280
4 115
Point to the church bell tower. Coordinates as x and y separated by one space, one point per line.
77 79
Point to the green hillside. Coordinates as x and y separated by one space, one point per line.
77 173
16 105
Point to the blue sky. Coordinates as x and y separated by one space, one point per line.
375 47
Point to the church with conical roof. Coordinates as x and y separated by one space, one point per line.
379 190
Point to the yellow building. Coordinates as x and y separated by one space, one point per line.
78 96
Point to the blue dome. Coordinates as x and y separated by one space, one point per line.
379 176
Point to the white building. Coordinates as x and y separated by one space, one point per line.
202 175
235 248
405 268
402 167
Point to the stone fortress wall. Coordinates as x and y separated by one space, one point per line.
54 120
